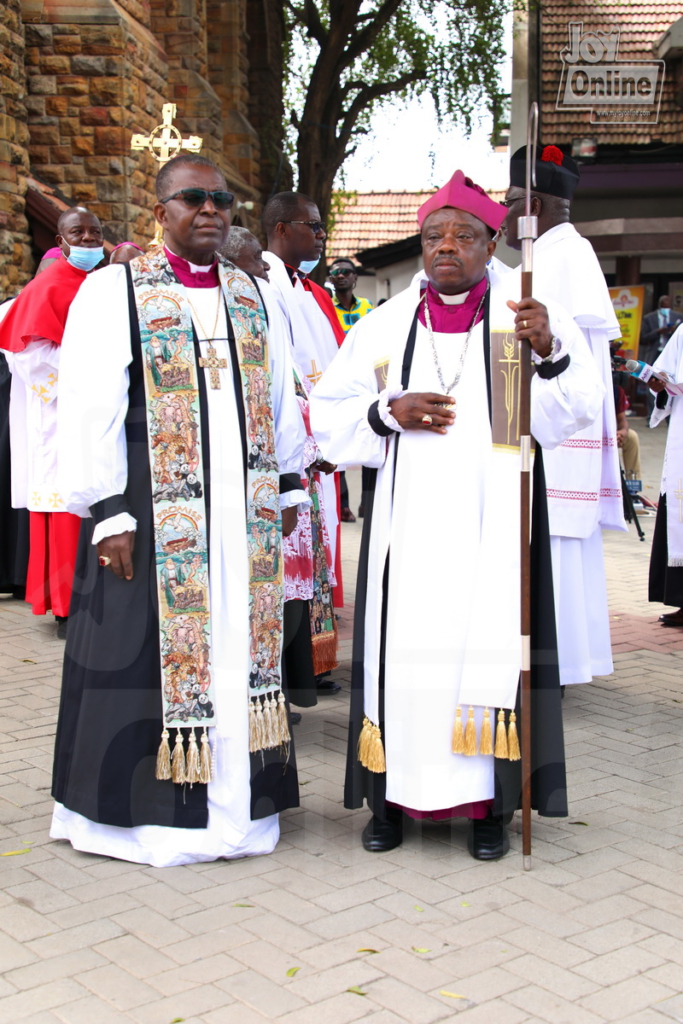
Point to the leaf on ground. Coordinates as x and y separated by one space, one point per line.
579 823
420 910
243 905
292 971
465 904
28 661
451 995
420 949
364 950
177 1020
14 853
356 991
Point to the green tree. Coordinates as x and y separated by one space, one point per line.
345 57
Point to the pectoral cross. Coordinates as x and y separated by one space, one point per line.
165 141
213 364
679 494
316 375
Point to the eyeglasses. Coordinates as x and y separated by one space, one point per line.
196 197
342 272
316 226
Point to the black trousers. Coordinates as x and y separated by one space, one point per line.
666 582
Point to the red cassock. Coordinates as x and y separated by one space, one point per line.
40 312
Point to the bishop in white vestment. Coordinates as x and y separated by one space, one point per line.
583 478
426 392
181 446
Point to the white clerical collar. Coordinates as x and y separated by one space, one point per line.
194 267
453 300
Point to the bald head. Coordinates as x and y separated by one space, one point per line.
78 228
244 250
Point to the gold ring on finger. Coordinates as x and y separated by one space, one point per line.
525 324
427 420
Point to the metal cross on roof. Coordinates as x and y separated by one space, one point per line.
165 141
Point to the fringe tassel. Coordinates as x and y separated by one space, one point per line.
514 753
192 767
205 758
470 735
275 721
324 647
260 725
164 758
501 737
178 759
458 741
486 741
371 748
269 731
253 729
284 733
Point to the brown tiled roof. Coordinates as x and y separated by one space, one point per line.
640 25
369 219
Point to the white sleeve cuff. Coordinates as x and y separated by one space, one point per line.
121 523
299 498
385 397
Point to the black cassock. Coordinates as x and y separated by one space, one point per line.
548 780
106 746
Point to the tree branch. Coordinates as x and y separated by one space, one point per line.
309 19
368 94
364 39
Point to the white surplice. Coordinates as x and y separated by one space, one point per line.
431 525
670 361
315 346
92 447
582 474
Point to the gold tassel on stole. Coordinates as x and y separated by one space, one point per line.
205 758
284 735
514 753
164 758
486 741
371 748
253 733
178 759
470 735
501 750
192 765
458 740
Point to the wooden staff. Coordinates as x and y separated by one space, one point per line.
527 231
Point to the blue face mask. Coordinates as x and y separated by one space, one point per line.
308 266
85 259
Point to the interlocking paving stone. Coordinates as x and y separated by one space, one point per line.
592 934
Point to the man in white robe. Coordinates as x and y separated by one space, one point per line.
109 799
296 241
666 559
583 478
425 392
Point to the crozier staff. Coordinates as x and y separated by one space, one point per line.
426 391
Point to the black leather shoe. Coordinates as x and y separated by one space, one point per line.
327 686
382 836
488 839
295 717
62 623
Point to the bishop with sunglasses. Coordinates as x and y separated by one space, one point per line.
181 446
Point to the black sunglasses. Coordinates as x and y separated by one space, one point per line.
221 199
342 271
315 225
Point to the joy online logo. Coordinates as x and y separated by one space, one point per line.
593 77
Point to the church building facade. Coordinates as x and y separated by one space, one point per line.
79 78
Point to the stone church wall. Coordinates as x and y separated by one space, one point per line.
84 75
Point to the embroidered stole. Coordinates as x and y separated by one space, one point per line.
323 625
180 532
492 658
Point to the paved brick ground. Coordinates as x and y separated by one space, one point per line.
594 933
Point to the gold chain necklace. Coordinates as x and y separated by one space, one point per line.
212 336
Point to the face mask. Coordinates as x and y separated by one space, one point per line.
308 266
85 259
